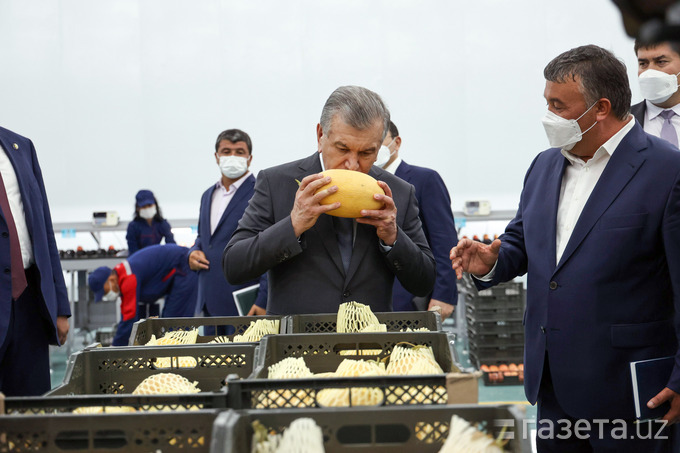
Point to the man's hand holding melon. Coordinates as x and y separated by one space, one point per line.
346 193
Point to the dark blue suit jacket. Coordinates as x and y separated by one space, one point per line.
439 227
611 298
214 292
39 223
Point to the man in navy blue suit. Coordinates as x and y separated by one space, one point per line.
434 205
34 307
222 206
598 233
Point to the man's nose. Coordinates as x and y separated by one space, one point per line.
352 163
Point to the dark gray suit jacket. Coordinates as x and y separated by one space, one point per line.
307 276
638 111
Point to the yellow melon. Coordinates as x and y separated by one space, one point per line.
355 192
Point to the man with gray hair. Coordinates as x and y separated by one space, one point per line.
597 233
316 262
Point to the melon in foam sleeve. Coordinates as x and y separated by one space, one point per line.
355 192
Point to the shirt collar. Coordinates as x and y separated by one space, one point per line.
654 110
607 147
392 168
235 185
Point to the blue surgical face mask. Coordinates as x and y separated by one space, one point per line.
564 133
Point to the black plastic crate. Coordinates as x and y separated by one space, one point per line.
495 327
302 393
495 378
66 404
496 357
97 370
396 321
490 303
143 329
495 351
502 290
129 432
421 429
494 314
324 352
495 339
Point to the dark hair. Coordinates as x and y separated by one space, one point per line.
598 73
357 106
158 217
674 45
394 132
234 135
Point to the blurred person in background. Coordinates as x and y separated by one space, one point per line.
434 204
153 272
222 206
658 70
148 226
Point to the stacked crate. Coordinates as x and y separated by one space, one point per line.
494 324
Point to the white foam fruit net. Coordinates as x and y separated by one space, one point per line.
288 368
355 317
302 436
258 329
465 438
407 359
173 338
360 396
166 383
104 410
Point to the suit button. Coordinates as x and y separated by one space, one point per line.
542 329
285 255
8 270
5 234
346 294
553 285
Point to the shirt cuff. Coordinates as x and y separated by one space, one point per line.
488 277
386 248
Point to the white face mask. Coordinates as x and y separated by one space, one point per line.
564 133
111 296
233 167
657 86
384 155
148 213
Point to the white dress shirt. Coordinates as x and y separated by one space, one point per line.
9 178
654 121
221 198
578 182
392 168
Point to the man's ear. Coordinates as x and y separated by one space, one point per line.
603 109
319 134
397 142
